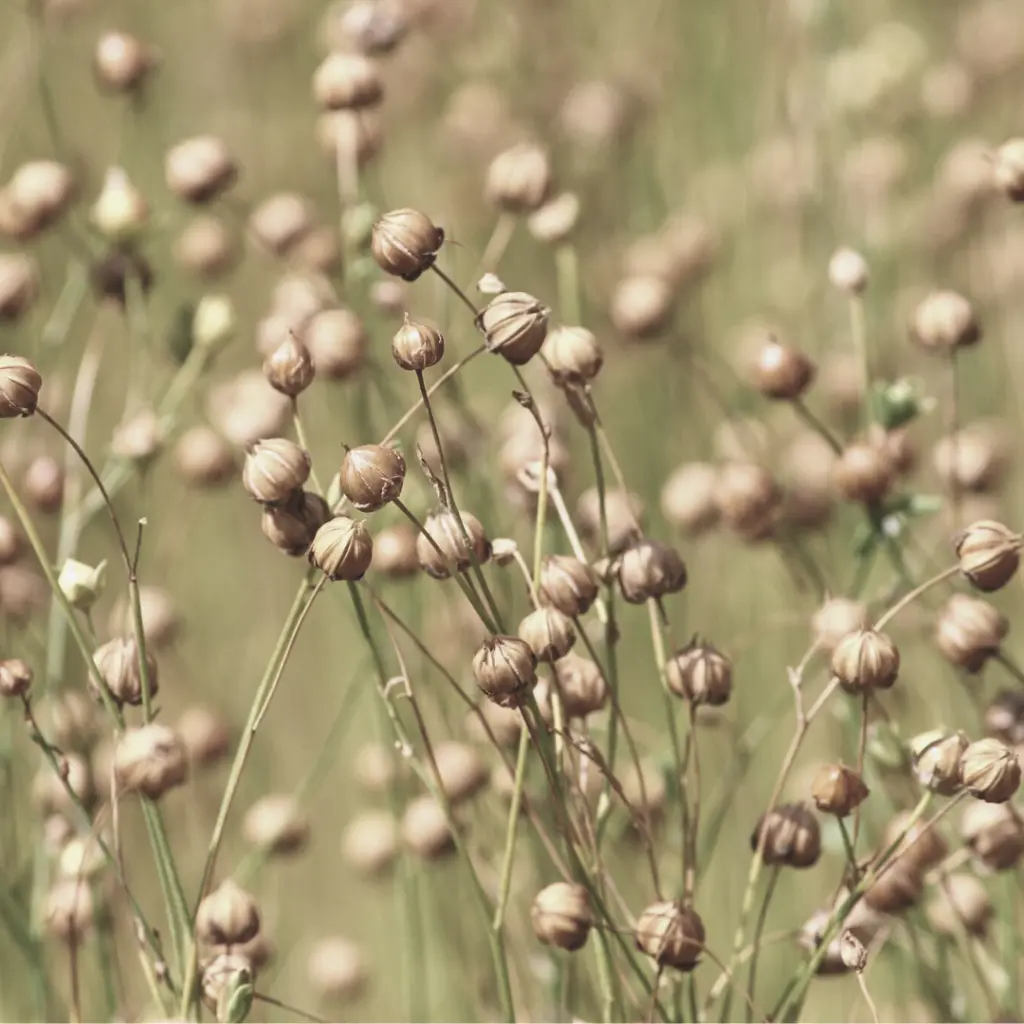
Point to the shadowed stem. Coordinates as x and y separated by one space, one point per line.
457 290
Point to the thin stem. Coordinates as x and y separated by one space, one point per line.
457 290
505 884
300 435
817 426
288 1007
859 333
914 594
861 750
849 846
762 917
952 429
504 228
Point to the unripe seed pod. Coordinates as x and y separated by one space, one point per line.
68 910
848 271
227 916
838 790
276 824
701 674
792 836
120 211
224 977
122 62
15 677
581 685
747 498
370 842
624 512
650 570
289 368
203 457
863 473
405 243
199 169
994 833
505 669
371 476
990 771
417 346
19 387
19 288
443 528
347 81
567 584
274 470
337 343
549 633
342 549
921 848
672 934
425 828
937 760
944 321
897 888
205 247
836 619
1004 717
518 179
206 737
865 660
969 631
514 325
394 552
291 527
281 221
151 760
117 662
561 915
337 969
960 902
461 769
989 554
555 221
572 354
42 190
781 371
1008 169
688 497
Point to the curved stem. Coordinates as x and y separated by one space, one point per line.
914 594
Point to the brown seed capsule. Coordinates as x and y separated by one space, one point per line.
862 473
337 342
505 669
417 346
994 833
561 915
960 902
862 923
641 307
515 325
122 62
747 498
199 169
973 459
370 842
138 439
117 662
368 26
19 387
897 888
944 321
921 848
1008 169
281 221
549 633
672 934
649 570
337 969
568 585
19 288
347 81
791 836
781 371
865 660
161 620
572 354
625 517
371 476
342 549
1004 717
42 190
688 497
205 247
989 554
289 368
937 760
276 824
554 221
44 484
227 916
274 470
68 909
223 975
206 737
990 771
291 527
394 552
700 674
836 619
461 770
838 790
581 685
405 243
318 251
425 828
203 457
15 677
848 271
444 530
151 760
969 631
518 179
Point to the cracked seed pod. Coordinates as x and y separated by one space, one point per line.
672 934
865 660
1008 169
227 916
944 321
922 848
207 739
122 62
347 81
15 677
342 549
572 354
994 833
990 771
394 552
624 512
289 368
649 570
641 306
274 470
554 221
69 909
226 984
117 662
792 836
291 527
203 457
863 473
937 757
281 221
747 498
151 760
514 325
549 633
700 673
519 179
836 619
277 825
443 528
782 371
41 190
581 684
960 902
989 554
838 790
688 497
561 915
505 669
425 828
848 271
199 169
417 346
567 584
49 793
461 770
19 289
19 386
405 243
371 476
969 631
899 887
1004 717
370 842
337 969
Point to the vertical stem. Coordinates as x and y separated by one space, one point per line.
567 272
858 330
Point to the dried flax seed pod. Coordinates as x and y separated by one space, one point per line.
203 457
337 969
274 470
20 383
205 247
581 685
688 497
505 669
701 674
746 497
990 771
960 902
969 631
549 633
371 476
281 221
922 848
337 342
394 552
425 828
624 512
781 371
649 570
848 271
672 934
1004 717
42 190
791 836
347 81
519 179
417 346
199 169
122 62
863 473
898 888
835 619
865 660
515 326
641 307
342 549
120 212
151 760
117 662
405 243
205 735
945 321
568 585
994 833
277 825
19 289
989 554
292 527
227 916
572 354
289 368
937 757
461 770
561 916
838 790
554 221
370 842
224 979
444 530
1008 169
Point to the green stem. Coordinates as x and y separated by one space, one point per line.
505 885
762 917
